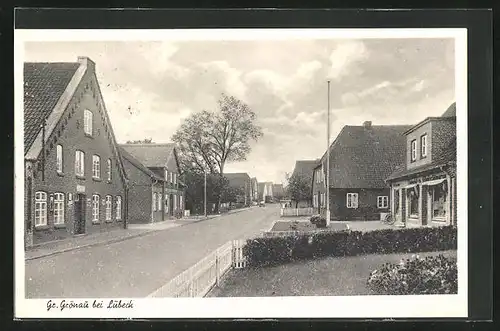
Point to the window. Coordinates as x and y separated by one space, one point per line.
175 202
438 202
175 179
181 206
423 146
87 122
95 208
413 197
118 207
40 208
170 177
80 163
413 150
315 197
167 207
96 166
382 201
59 158
166 174
396 201
154 201
159 201
352 200
58 208
109 203
109 170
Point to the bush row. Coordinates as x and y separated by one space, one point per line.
430 275
279 250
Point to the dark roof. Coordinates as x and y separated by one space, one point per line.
364 157
125 155
447 155
44 83
305 167
451 111
238 179
150 155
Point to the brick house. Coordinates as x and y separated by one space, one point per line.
423 187
163 193
304 169
74 179
243 184
361 158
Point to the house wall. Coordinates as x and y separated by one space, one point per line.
367 204
140 196
69 133
442 132
424 129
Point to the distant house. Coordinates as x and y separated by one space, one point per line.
304 169
165 197
242 183
255 189
361 158
265 191
74 179
423 188
278 191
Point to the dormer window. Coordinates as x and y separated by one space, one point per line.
87 122
423 146
413 147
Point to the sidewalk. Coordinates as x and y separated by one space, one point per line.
113 236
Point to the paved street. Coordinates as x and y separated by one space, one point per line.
138 266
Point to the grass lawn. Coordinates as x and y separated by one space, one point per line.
305 226
325 277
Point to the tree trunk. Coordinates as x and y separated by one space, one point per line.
296 204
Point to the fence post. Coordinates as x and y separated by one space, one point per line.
297 211
217 271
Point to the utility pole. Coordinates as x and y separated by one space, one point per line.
205 193
328 160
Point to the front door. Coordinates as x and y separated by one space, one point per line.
403 205
80 221
171 203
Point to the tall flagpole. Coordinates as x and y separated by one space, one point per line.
328 160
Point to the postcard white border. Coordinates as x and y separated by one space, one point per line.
262 307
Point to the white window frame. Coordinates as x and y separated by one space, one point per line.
59 158
170 173
423 145
382 201
109 207
413 150
96 201
154 200
118 212
180 202
109 164
59 208
96 166
175 202
40 208
352 200
167 204
80 163
88 121
166 175
159 201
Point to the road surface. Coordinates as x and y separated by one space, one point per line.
136 267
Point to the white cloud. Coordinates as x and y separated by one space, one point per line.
344 55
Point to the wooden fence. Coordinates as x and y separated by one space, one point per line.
284 212
198 280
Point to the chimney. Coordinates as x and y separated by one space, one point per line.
367 124
87 62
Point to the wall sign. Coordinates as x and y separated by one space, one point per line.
80 188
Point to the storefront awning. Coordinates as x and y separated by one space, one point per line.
410 186
434 182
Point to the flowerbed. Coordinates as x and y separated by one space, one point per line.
278 250
430 275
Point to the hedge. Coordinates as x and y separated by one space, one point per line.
278 250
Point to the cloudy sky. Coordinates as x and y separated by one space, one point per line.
387 81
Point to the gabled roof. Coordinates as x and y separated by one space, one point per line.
305 167
363 157
451 111
44 84
238 179
448 155
151 155
136 163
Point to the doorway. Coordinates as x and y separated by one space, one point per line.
80 211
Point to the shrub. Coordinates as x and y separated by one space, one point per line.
430 275
318 220
278 250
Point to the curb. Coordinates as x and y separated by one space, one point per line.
116 240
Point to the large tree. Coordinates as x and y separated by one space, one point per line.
207 140
299 188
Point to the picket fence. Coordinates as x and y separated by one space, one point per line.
199 279
296 212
